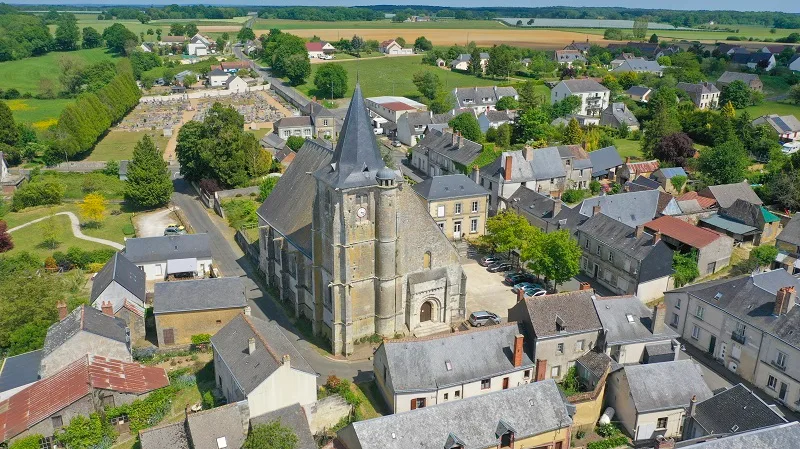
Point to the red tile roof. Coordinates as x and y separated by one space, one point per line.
643 167
47 396
398 106
682 231
704 202
314 46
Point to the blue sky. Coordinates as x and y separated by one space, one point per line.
740 5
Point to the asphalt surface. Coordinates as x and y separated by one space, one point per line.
232 262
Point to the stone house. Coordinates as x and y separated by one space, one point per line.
563 328
481 99
226 426
411 126
631 208
633 333
569 57
202 306
617 115
788 243
88 385
444 153
625 259
187 255
493 119
412 374
749 324
83 331
254 361
704 95
538 209
745 222
605 163
299 126
457 204
713 249
651 400
751 80
122 284
639 93
594 96
501 419
578 166
322 119
632 170
540 170
664 177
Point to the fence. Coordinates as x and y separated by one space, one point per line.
289 93
199 94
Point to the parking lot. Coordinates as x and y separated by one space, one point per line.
486 291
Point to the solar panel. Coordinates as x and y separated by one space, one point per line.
784 127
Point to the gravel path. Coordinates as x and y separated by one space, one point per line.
76 229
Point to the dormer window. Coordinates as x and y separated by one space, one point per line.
560 326
505 433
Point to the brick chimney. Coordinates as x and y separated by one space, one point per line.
595 209
455 139
62 310
657 320
527 152
518 339
639 231
583 286
656 237
507 172
664 443
541 369
107 308
784 300
251 345
520 295
556 206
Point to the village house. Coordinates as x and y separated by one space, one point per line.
642 183
538 169
758 60
299 126
502 419
651 400
617 115
172 40
726 194
664 177
787 127
749 324
323 120
411 126
392 47
462 61
9 183
481 99
704 95
605 163
295 418
577 165
392 107
121 285
187 255
713 249
594 96
639 65
413 374
630 208
254 361
456 203
632 170
794 63
221 427
217 77
639 93
782 435
89 384
83 331
317 50
745 222
633 333
195 307
538 209
564 327
750 80
200 45
444 153
582 47
625 259
568 57
493 119
788 243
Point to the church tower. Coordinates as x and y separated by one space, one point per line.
354 234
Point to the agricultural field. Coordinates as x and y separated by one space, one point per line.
745 32
90 20
38 113
118 145
25 74
393 76
267 24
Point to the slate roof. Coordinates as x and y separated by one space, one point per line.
780 123
533 203
579 156
569 56
682 231
19 370
545 164
728 225
316 110
477 94
596 362
272 140
448 187
791 232
356 159
575 310
293 122
198 294
84 318
168 247
293 417
784 435
729 77
665 386
530 410
206 427
630 208
250 370
638 91
698 88
39 401
217 72
627 320
639 65
736 409
289 208
726 194
604 159
642 183
171 436
422 364
751 299
584 86
622 114
463 152
125 273
748 213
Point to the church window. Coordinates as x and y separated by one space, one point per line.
426 261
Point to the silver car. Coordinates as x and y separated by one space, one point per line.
483 318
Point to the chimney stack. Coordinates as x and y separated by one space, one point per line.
520 295
62 310
460 140
476 174
784 300
248 311
528 153
583 286
627 159
455 139
507 173
286 360
556 207
251 345
595 209
107 308
518 339
639 231
657 320
664 443
541 369
656 237
692 405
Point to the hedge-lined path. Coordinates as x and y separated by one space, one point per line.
76 230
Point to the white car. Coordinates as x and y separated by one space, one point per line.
326 57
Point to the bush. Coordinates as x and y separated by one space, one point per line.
607 430
38 194
573 195
28 442
208 400
83 432
77 257
147 412
608 443
595 187
580 434
201 339
240 212
94 267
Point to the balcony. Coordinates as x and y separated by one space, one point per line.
737 337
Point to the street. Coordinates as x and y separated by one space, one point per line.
232 262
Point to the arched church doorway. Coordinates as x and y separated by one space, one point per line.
426 312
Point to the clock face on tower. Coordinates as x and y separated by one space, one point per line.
361 212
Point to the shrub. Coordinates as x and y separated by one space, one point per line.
94 267
38 194
573 195
28 442
77 257
580 434
201 339
83 432
595 187
607 430
608 443
147 412
208 400
240 212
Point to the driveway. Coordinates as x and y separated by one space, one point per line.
486 291
152 224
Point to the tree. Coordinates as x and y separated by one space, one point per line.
725 163
528 97
357 44
654 38
176 29
331 80
467 125
428 83
784 189
533 125
91 38
149 184
674 149
118 38
664 61
442 103
295 142
763 255
190 30
663 123
573 134
565 107
266 186
6 244
678 181
501 61
640 27
67 33
507 103
50 231
93 207
794 93
297 68
685 266
737 93
422 44
9 133
503 135
474 66
246 34
400 41
273 435
508 231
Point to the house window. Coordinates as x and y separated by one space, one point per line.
598 250
426 260
507 439
457 394
780 360
475 203
457 208
772 382
662 423
678 303
674 322
527 374
57 422
486 384
440 211
699 312
325 122
473 225
579 345
696 332
610 256
555 371
560 348
417 403
586 245
446 395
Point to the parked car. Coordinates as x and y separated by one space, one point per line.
174 229
517 277
483 318
525 285
396 143
488 260
500 266
535 292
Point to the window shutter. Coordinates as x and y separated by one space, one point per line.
413 404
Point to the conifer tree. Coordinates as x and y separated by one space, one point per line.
149 184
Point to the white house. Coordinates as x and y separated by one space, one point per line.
319 49
391 47
568 57
217 78
794 63
254 360
181 255
392 107
594 96
236 84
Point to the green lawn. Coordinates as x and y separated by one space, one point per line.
39 113
118 145
745 31
25 74
264 25
393 76
629 148
259 133
773 107
79 184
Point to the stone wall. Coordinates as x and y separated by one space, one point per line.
327 412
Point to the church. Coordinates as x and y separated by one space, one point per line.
353 249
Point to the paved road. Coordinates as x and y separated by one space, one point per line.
76 230
232 262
